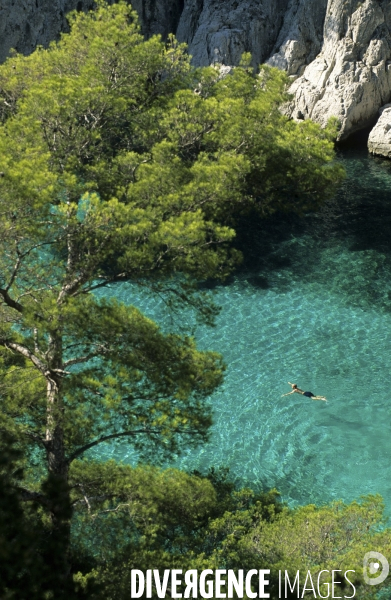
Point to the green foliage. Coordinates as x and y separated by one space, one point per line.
119 163
145 518
144 509
334 536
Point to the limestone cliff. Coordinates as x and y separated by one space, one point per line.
301 36
338 52
351 76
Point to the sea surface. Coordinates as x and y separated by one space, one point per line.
311 305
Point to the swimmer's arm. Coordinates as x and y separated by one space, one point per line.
288 394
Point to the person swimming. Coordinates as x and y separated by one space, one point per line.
297 390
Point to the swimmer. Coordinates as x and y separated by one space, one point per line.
296 390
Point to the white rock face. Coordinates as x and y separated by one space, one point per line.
379 141
301 36
351 77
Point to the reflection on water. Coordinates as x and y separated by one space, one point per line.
314 307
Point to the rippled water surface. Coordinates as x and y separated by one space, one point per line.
313 307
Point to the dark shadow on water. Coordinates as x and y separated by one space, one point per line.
259 281
258 238
261 242
344 246
212 284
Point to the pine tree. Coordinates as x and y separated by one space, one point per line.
122 165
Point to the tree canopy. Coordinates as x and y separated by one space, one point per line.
171 520
120 163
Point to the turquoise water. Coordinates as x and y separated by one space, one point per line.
312 305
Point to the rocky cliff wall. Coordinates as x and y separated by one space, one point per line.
301 36
24 24
351 76
338 52
217 31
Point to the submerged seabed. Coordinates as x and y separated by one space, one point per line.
313 307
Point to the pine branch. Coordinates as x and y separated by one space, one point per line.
29 496
27 353
10 301
105 438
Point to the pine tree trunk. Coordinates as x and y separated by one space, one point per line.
56 487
